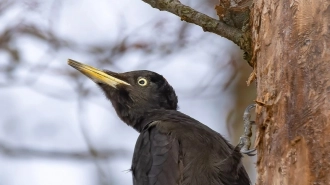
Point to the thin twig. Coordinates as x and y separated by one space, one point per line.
14 151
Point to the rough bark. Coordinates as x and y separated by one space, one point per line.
291 45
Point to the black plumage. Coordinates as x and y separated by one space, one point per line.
173 148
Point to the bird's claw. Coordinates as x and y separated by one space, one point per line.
249 152
245 140
244 145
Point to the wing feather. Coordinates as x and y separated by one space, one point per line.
156 158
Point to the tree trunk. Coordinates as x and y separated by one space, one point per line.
291 46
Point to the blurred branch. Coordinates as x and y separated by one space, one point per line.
92 150
209 24
25 152
4 5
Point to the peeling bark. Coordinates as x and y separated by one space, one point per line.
291 47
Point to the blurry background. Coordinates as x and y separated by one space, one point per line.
56 127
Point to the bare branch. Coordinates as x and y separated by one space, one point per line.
192 16
26 152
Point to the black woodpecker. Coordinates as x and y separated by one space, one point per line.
172 148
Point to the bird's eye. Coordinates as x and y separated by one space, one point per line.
142 81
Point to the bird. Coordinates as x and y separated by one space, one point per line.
172 147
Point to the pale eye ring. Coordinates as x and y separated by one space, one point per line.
142 81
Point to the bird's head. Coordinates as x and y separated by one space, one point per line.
132 94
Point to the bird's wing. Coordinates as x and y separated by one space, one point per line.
232 170
156 158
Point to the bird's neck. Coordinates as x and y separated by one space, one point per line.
140 119
139 116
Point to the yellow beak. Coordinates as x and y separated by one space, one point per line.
96 75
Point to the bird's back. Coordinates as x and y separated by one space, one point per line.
180 150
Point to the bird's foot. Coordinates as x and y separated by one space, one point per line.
245 140
244 146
